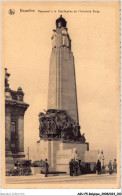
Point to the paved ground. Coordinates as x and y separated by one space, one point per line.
82 179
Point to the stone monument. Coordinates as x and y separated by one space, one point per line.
62 83
59 128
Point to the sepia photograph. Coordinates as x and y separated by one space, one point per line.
60 90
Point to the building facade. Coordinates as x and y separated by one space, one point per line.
15 108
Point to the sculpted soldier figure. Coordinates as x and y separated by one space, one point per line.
58 124
54 39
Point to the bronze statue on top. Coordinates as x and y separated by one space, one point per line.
58 124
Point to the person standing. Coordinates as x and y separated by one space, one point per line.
80 166
114 166
71 167
110 167
46 167
76 167
98 167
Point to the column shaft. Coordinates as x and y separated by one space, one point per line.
8 131
21 134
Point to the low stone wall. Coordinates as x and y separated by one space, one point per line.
36 170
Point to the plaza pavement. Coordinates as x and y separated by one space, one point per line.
82 179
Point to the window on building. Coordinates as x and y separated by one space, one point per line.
13 127
13 137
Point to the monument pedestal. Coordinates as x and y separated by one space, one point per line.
68 151
46 149
59 153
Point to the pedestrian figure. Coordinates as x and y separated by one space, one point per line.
71 167
110 167
73 170
98 167
46 167
76 167
114 166
80 166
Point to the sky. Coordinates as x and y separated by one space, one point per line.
95 35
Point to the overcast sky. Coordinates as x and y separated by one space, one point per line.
26 50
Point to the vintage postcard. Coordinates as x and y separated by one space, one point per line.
60 93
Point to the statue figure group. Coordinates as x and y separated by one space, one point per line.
59 125
65 39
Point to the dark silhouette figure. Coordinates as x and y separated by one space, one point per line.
46 168
71 167
98 167
76 165
114 166
110 167
80 166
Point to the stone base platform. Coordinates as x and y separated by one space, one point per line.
68 151
59 153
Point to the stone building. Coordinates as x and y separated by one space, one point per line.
15 108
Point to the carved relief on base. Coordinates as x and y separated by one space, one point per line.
58 124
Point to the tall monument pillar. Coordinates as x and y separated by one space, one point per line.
62 93
59 129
